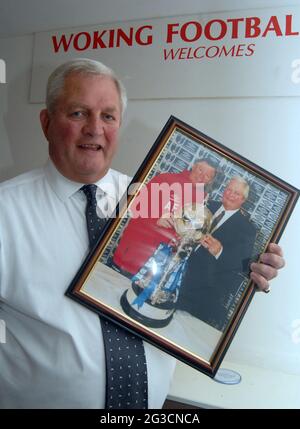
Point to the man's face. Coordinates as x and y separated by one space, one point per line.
202 173
83 129
233 196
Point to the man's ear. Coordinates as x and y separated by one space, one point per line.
45 120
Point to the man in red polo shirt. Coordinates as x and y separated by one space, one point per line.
160 199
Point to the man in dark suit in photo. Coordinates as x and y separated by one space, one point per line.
219 263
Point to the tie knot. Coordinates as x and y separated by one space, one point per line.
89 191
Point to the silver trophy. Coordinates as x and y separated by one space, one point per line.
156 286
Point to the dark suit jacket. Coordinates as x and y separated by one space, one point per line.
209 282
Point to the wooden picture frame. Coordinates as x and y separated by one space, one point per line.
193 309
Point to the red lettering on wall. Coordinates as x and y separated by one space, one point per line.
188 32
123 36
222 30
252 27
273 25
288 27
85 41
250 50
170 31
62 42
98 42
112 38
139 33
192 26
227 52
235 26
172 54
210 52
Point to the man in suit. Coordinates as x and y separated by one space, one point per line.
218 265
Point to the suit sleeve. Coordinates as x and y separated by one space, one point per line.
237 248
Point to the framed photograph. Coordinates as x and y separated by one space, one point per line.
172 262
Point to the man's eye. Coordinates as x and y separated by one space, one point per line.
77 114
108 117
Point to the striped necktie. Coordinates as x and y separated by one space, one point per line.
216 220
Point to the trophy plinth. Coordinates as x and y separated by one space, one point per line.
155 287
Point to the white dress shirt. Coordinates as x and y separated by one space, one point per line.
53 356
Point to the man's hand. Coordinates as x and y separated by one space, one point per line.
210 243
267 267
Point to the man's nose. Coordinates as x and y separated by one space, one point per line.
94 126
232 195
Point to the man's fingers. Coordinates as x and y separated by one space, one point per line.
267 271
275 248
272 259
267 267
260 281
261 275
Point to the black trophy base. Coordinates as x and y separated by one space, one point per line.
159 318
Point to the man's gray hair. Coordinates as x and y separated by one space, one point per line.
209 161
82 66
243 182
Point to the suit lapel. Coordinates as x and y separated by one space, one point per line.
228 224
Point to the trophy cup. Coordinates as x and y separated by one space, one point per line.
155 287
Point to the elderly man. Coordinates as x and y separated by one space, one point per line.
218 266
55 354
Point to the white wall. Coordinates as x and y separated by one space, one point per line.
265 130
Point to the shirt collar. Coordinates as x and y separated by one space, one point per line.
228 212
65 188
107 185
